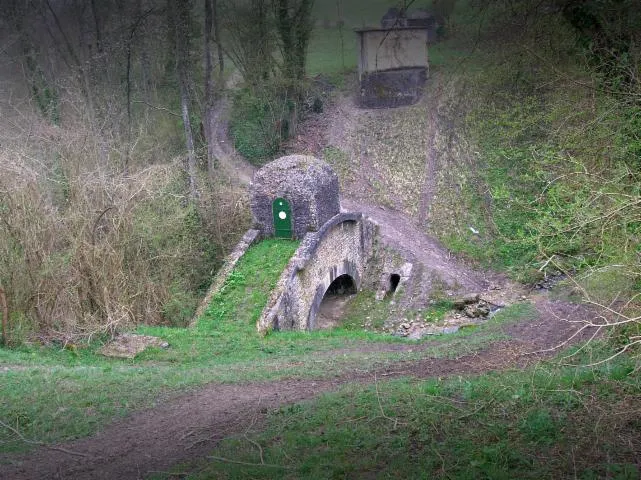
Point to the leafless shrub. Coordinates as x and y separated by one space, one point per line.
607 217
88 249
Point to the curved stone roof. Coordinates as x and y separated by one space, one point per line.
308 184
296 171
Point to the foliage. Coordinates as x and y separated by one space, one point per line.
111 252
294 25
556 149
608 31
250 38
262 118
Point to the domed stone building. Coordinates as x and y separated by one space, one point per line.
293 195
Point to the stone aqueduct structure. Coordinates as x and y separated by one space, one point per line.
298 197
341 247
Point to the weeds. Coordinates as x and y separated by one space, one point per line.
73 391
113 252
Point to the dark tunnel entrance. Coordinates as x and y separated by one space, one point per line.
342 285
333 305
394 280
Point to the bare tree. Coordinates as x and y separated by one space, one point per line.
209 86
250 42
219 46
294 24
5 316
341 24
179 17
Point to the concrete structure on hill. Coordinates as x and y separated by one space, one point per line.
340 251
298 197
392 65
338 254
420 17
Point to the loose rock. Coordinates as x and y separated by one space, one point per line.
128 345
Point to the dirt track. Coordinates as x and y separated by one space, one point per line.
190 426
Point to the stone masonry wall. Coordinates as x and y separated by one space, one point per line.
342 246
308 184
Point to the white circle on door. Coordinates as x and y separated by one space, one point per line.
282 215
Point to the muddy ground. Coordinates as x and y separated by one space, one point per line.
189 427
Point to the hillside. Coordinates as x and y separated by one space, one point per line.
518 170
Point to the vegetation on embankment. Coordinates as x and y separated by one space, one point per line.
99 252
102 225
523 154
554 145
545 422
73 391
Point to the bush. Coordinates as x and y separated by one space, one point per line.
262 118
85 249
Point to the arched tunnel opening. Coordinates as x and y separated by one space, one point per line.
342 285
394 280
334 302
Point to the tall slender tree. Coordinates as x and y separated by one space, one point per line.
180 22
294 24
208 116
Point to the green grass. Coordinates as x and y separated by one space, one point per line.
437 310
355 13
546 422
326 56
72 393
364 311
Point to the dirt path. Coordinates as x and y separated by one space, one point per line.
403 234
235 167
429 183
190 426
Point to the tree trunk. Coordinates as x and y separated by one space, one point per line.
209 89
5 317
96 20
221 57
189 139
182 66
294 28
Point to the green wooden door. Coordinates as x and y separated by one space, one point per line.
282 218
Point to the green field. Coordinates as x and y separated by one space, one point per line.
547 422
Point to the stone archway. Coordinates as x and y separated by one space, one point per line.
346 275
341 248
332 306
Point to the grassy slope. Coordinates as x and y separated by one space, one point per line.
525 153
552 159
549 422
73 392
537 423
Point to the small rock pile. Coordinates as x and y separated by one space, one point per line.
469 310
128 345
472 306
550 280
